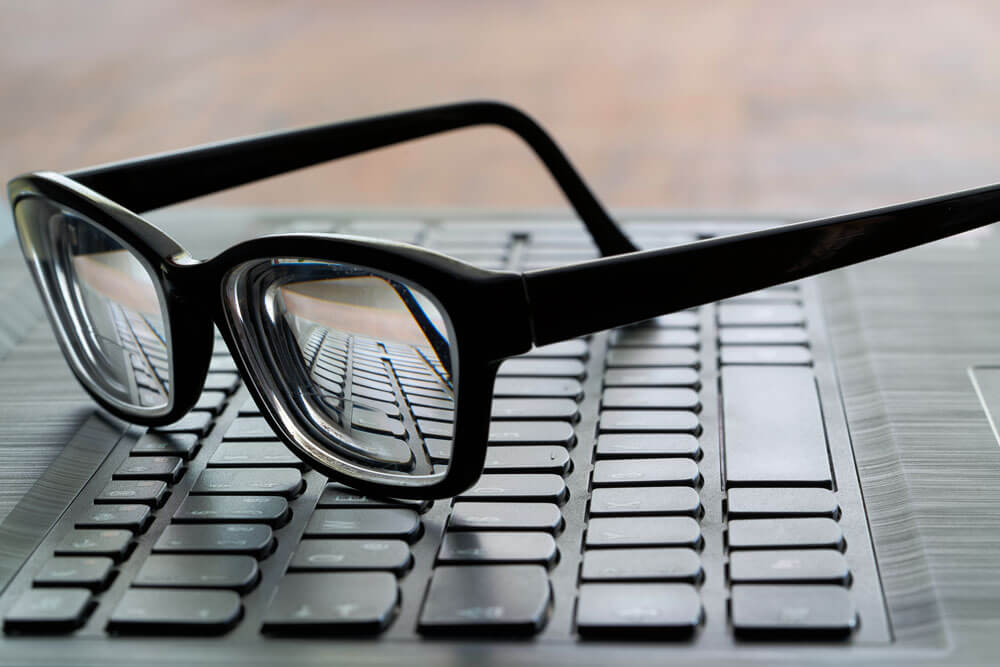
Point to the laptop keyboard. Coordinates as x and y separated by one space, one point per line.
678 480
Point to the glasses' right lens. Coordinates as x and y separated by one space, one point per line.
104 302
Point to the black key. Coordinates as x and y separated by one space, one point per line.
576 349
130 517
255 540
398 523
49 610
753 315
392 555
650 337
184 445
250 428
146 492
285 482
538 388
335 602
763 336
652 377
487 599
781 502
773 426
258 454
527 458
785 533
428 383
496 548
115 543
817 566
211 401
671 398
645 421
611 609
644 531
775 355
629 357
643 445
644 472
645 501
532 433
438 449
541 368
153 610
358 380
505 409
525 488
339 495
422 412
792 612
198 423
373 394
433 429
377 422
224 382
272 510
506 516
658 564
431 402
238 573
164 468
93 573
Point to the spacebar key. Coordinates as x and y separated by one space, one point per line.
773 427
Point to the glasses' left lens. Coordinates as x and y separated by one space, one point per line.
104 303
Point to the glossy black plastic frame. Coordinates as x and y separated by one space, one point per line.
494 314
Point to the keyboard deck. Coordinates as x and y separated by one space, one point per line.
687 480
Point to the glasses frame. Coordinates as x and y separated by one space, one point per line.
494 314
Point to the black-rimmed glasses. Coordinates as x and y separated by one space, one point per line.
325 327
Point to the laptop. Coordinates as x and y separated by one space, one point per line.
805 473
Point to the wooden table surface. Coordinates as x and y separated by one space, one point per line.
722 105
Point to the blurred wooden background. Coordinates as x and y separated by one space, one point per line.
738 105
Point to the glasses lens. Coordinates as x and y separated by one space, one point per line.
361 365
104 304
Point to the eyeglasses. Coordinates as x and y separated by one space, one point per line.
324 327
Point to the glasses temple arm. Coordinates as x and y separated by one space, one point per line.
583 298
155 181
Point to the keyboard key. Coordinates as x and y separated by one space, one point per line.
639 421
685 319
644 500
763 336
147 610
496 548
503 600
251 539
610 609
781 502
115 543
254 455
339 495
165 468
211 401
440 404
435 429
146 492
403 524
238 573
527 459
646 472
643 445
392 555
641 565
250 428
538 388
222 363
753 315
532 433
644 531
505 409
522 488
506 516
792 612
198 423
224 382
377 422
91 573
652 377
576 348
130 517
774 433
785 533
650 337
540 368
422 412
628 357
272 510
285 482
373 394
663 398
776 355
184 445
49 610
335 602
789 566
